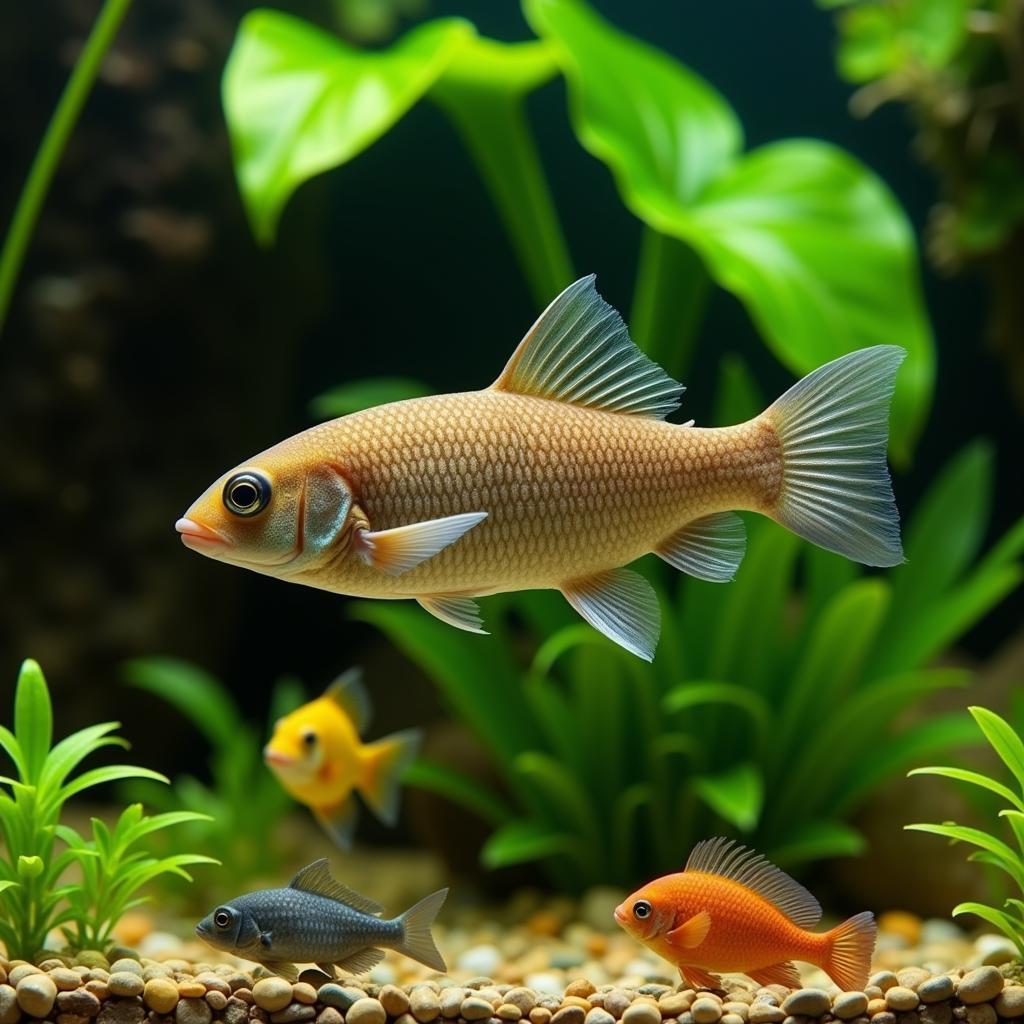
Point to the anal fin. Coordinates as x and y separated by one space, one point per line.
622 605
282 969
362 962
710 548
404 547
784 973
460 612
698 979
328 969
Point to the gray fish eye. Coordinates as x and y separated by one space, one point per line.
641 909
245 494
222 918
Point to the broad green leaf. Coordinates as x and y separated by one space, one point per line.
362 394
197 694
1004 741
975 779
9 743
817 840
662 129
461 789
522 841
109 773
7 884
1004 854
562 791
299 101
71 750
33 719
692 694
736 795
1010 925
823 257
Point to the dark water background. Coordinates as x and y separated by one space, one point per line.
152 345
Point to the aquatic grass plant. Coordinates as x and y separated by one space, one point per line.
805 236
34 896
776 705
240 812
55 139
991 849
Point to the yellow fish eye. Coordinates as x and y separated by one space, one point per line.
245 494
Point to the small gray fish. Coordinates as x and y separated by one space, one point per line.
319 920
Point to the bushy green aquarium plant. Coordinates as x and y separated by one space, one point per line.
39 848
991 849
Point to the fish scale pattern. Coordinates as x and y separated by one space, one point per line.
306 927
568 491
746 933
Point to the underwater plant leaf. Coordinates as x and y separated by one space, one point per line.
520 842
73 749
9 744
974 778
662 129
736 795
823 257
459 788
1011 926
299 101
816 840
691 694
1003 740
563 792
33 719
108 773
1002 855
197 694
356 395
737 396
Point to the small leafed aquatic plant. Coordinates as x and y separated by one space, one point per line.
34 896
731 910
242 811
991 849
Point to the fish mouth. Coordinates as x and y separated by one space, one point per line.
198 536
274 757
620 915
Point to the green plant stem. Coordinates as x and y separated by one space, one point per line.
48 155
494 129
669 300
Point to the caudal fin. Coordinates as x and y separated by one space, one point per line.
833 426
850 948
417 942
383 764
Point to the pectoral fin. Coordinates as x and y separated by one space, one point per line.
710 548
283 970
404 547
621 604
691 933
362 962
339 822
460 612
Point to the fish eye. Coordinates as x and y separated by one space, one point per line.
245 494
309 739
641 910
222 918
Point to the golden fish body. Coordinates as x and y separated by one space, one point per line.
569 491
558 476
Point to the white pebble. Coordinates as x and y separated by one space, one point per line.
548 984
480 960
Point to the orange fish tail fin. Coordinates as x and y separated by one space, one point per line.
833 427
383 765
849 948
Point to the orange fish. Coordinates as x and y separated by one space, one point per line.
318 756
557 476
730 910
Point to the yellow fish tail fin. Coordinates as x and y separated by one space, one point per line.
383 764
850 947
833 426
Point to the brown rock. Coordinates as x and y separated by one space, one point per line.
329 1015
540 1015
580 987
509 1012
980 985
901 999
394 1000
572 1015
79 1001
216 1000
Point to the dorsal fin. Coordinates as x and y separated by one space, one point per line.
348 692
316 878
727 859
579 351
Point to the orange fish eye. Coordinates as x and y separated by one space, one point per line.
642 910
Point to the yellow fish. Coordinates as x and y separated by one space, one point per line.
557 476
317 755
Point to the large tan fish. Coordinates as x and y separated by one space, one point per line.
557 476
